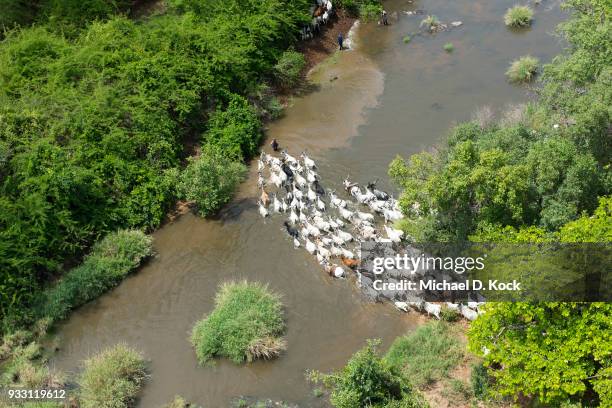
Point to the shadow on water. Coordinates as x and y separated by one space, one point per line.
365 107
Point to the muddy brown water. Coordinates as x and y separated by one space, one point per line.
382 99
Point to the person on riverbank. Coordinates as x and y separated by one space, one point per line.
384 19
340 41
274 145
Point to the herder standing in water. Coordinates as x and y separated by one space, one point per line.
340 41
274 145
384 18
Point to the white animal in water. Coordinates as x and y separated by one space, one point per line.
298 194
260 165
345 236
347 254
346 214
296 243
301 181
393 234
275 179
308 162
392 215
293 217
320 204
339 222
311 176
323 251
335 201
312 196
260 180
359 196
338 272
403 306
432 309
364 216
276 204
262 210
310 246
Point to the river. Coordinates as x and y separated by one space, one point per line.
367 105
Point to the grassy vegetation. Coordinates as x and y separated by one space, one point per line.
426 355
406 39
523 69
180 402
110 260
449 47
518 16
112 379
246 323
369 381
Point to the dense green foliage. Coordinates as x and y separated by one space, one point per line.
246 323
369 381
540 174
554 351
289 68
112 378
518 16
427 354
209 181
97 117
365 9
109 262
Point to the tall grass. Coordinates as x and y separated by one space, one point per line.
112 378
518 16
109 262
426 355
523 69
246 323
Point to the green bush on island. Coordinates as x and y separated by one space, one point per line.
518 16
523 69
112 378
426 355
369 380
449 47
246 324
110 260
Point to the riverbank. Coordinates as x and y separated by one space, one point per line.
317 49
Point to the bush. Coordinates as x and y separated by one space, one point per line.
246 323
449 47
112 378
427 354
289 67
369 11
369 381
406 39
234 131
109 262
523 69
518 16
210 180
